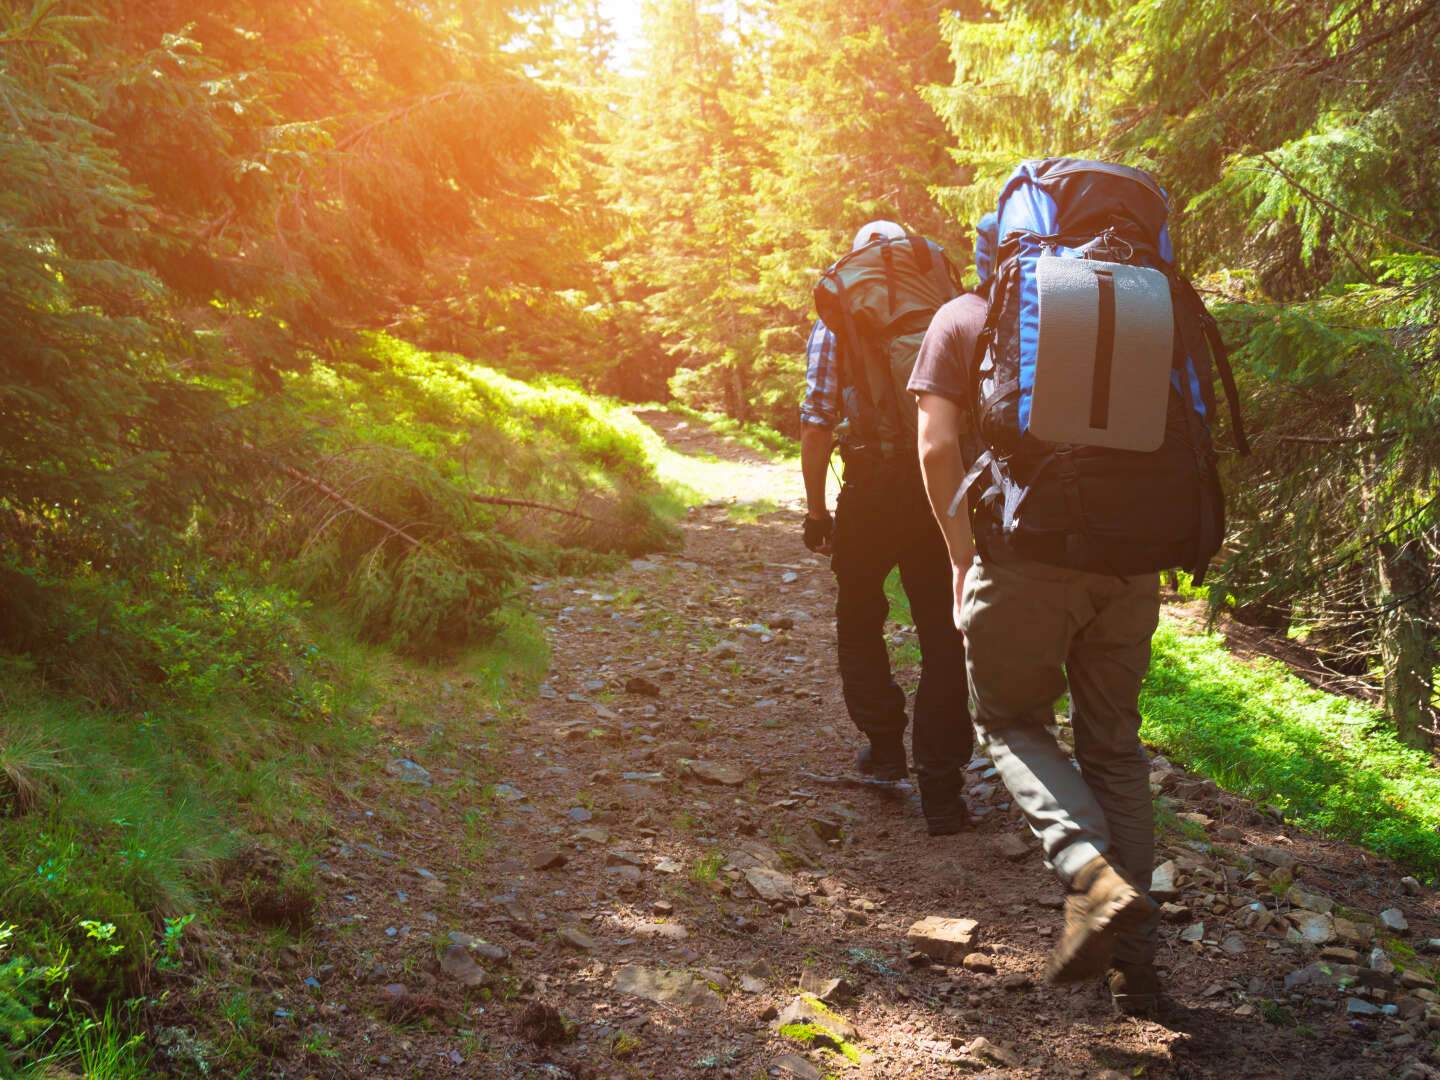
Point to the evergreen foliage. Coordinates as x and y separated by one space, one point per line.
1294 141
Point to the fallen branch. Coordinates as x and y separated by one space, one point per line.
359 511
1338 440
501 500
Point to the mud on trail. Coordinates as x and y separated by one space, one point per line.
646 872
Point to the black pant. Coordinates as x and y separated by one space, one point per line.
882 519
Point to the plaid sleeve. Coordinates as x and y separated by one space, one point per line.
822 385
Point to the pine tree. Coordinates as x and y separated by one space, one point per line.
1294 141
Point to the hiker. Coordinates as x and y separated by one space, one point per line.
1061 494
882 520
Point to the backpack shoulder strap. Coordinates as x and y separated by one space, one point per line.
847 341
1219 354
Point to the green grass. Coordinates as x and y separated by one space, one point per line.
1328 761
906 654
758 437
706 867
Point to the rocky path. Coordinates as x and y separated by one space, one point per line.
660 869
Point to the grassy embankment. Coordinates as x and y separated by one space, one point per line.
170 733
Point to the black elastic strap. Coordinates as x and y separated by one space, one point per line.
1104 352
921 247
1077 545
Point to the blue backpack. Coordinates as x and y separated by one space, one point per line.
1091 385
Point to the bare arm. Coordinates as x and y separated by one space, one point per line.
942 421
815 442
815 445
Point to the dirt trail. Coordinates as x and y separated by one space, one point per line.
669 851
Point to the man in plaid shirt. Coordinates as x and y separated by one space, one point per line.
882 520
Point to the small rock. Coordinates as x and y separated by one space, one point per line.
1163 881
1316 976
1411 979
1410 885
714 773
1310 901
598 837
805 1009
985 1050
1360 1007
577 939
1313 928
1379 960
1233 944
1394 919
1012 847
1338 954
1353 933
638 684
1193 932
460 966
772 886
549 860
796 1066
1274 856
662 908
1016 981
945 940
1171 912
976 961
667 987
407 770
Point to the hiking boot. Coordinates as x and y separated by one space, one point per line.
1135 989
945 813
1100 903
883 762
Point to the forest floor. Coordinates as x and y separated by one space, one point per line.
639 872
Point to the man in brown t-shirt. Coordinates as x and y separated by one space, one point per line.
1033 631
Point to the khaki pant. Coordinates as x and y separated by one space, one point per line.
1031 630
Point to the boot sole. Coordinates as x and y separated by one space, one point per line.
946 826
1091 955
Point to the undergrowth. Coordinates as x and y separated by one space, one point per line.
174 710
428 485
1329 762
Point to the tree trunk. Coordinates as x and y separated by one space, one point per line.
1407 642
741 411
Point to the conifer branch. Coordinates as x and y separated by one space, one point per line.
1321 200
1424 11
1339 440
502 500
331 493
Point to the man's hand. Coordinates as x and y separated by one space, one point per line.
817 533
